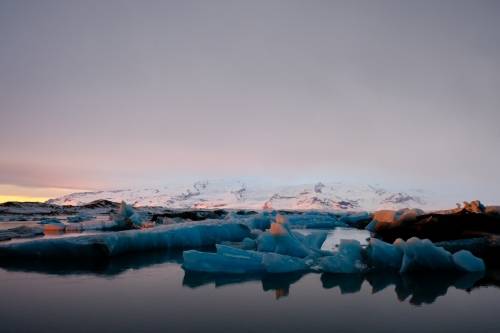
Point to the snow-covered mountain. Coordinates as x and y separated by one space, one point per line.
239 195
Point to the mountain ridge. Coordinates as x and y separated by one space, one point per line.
240 195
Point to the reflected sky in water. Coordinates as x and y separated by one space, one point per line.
151 292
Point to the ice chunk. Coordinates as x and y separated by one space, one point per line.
248 244
424 255
222 263
467 262
277 263
315 240
80 218
52 225
49 220
383 255
237 261
356 220
371 226
348 259
314 220
281 241
21 232
128 218
185 235
226 250
289 245
261 221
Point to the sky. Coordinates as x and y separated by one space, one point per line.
111 94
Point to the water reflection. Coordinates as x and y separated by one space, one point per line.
280 283
93 266
416 289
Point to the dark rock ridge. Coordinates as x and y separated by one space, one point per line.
101 204
193 215
471 220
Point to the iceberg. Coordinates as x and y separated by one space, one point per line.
232 260
382 255
422 254
52 225
226 250
356 220
49 220
313 220
419 255
80 218
348 259
128 218
219 263
314 240
282 241
248 244
185 235
467 262
278 263
261 221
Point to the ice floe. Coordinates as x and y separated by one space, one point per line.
185 235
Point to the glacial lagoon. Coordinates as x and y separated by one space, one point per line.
151 292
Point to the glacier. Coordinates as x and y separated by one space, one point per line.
239 194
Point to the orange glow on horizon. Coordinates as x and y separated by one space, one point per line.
32 194
22 198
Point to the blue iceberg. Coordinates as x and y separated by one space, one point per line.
348 259
232 260
184 235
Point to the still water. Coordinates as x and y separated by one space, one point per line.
152 293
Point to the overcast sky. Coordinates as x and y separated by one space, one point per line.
100 94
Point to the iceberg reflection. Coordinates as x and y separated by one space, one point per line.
415 288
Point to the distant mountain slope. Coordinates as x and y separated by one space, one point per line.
238 195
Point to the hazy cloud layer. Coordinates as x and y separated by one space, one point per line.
119 93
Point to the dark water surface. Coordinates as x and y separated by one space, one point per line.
151 293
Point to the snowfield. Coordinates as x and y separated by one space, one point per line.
239 195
